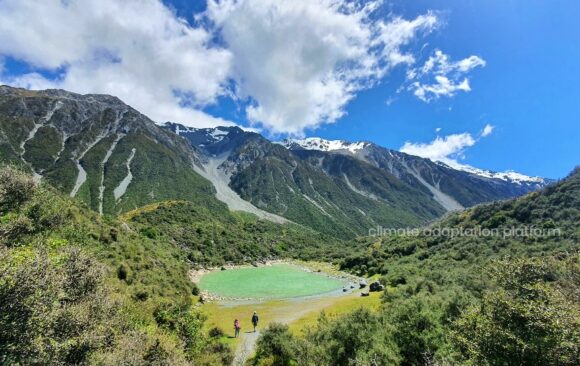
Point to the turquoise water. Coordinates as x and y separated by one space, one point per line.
277 282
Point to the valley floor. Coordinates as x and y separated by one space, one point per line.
298 313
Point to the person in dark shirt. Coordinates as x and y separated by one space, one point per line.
255 320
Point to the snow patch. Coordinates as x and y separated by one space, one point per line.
316 143
218 134
507 176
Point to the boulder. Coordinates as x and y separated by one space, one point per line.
364 294
362 284
376 286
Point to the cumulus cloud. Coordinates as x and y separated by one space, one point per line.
440 76
292 65
449 149
139 51
300 62
487 130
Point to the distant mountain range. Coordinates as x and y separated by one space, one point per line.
316 143
343 187
113 158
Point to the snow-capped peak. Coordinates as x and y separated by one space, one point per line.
213 135
316 143
508 176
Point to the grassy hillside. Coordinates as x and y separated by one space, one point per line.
76 288
215 238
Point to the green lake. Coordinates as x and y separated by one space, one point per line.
277 281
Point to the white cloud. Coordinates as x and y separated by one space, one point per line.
300 62
449 149
440 76
442 148
438 129
297 64
137 50
487 130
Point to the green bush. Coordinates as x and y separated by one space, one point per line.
531 318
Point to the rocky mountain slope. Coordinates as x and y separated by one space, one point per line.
337 186
453 187
107 154
97 149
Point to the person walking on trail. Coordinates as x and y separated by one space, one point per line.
255 320
237 328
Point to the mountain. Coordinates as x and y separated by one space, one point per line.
336 186
105 153
98 149
453 187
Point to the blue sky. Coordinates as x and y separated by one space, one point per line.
321 68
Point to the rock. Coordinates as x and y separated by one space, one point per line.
362 284
344 290
223 268
364 294
376 286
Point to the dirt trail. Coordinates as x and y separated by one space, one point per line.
284 311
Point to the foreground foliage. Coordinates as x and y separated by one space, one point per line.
77 289
471 300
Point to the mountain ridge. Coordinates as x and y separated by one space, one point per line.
317 143
115 159
256 165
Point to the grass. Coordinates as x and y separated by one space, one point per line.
298 314
341 306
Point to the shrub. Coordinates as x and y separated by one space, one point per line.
216 332
530 319
16 188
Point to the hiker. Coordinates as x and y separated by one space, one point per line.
237 328
255 320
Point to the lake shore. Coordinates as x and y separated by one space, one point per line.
349 281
